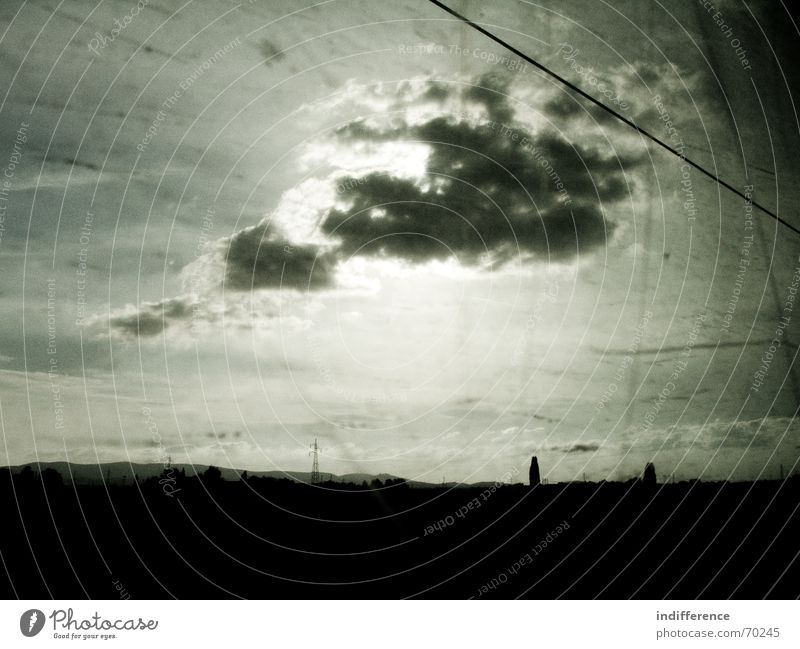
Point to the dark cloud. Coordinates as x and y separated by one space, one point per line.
576 447
223 435
271 52
151 318
491 92
493 191
562 106
569 105
81 163
436 91
648 73
256 258
395 217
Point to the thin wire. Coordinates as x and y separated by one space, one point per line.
611 111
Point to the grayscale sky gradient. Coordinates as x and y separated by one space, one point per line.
235 228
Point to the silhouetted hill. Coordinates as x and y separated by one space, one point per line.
124 472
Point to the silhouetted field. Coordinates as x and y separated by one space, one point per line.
269 538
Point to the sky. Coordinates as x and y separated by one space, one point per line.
229 229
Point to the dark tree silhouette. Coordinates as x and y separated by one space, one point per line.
533 473
51 478
212 475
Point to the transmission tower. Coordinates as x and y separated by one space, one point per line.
315 476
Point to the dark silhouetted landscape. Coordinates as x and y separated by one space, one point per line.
146 531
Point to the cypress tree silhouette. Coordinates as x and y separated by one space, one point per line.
533 472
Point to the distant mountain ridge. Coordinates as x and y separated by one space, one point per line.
116 473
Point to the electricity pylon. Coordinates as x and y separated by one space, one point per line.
315 476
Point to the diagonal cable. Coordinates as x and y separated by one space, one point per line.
611 111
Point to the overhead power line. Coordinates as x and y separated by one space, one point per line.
611 111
